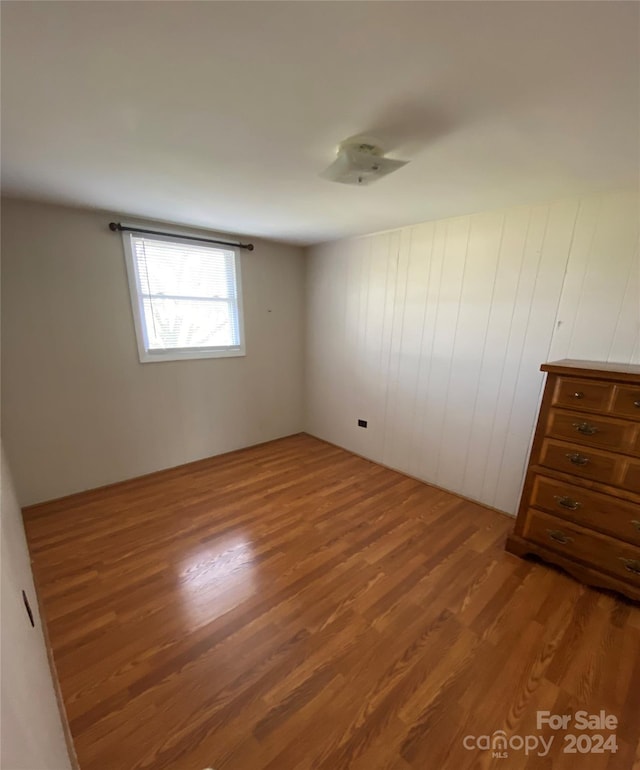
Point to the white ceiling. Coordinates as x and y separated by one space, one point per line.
222 114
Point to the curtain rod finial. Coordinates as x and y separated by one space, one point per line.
113 226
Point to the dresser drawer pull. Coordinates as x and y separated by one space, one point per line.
567 502
559 537
636 523
585 428
578 394
633 565
577 459
636 403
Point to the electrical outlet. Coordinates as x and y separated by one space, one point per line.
362 423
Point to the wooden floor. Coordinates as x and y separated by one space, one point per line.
294 606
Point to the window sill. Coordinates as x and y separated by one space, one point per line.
189 354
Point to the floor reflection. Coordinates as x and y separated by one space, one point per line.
215 578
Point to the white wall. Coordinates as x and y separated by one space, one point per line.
435 334
32 737
79 409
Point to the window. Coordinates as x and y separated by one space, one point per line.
186 298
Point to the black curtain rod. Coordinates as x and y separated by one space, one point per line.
117 227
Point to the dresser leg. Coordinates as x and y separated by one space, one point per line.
518 546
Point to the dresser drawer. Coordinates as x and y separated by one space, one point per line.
626 401
580 461
631 475
575 542
591 430
610 515
582 394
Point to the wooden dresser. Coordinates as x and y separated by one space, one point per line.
580 506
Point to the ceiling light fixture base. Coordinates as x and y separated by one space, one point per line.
360 163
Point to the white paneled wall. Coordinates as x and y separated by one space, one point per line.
599 315
435 334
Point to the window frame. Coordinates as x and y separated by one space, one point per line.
136 295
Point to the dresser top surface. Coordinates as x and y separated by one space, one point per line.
600 370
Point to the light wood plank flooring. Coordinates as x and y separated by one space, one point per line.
292 606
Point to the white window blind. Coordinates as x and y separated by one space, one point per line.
186 298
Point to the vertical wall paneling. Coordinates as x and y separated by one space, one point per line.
424 406
472 314
508 313
551 247
627 329
599 313
407 328
435 334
